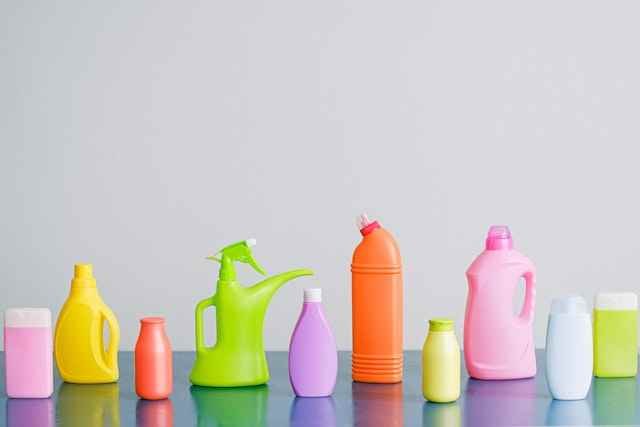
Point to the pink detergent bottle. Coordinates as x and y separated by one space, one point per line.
498 344
313 358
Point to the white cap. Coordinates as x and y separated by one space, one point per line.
27 318
569 305
313 295
616 301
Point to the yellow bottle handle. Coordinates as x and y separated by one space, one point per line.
114 338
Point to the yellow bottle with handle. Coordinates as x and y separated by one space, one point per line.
79 346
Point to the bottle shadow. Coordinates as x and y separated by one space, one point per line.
377 404
312 411
233 406
441 414
88 405
30 412
154 413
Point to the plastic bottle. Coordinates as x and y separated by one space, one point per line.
238 357
615 337
313 358
499 345
441 363
153 360
28 352
569 349
376 298
79 347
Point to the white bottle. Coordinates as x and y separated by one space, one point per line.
569 352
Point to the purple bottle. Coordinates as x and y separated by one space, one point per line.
313 358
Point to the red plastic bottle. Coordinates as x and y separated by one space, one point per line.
154 361
376 302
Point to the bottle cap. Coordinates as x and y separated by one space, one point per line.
83 276
83 271
616 301
365 225
569 305
27 318
313 295
440 325
499 237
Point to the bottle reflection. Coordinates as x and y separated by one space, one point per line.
500 403
312 411
377 404
441 414
30 412
569 413
154 413
614 400
234 406
88 405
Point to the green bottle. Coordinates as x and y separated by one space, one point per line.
237 358
615 335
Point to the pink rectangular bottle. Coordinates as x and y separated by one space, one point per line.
28 352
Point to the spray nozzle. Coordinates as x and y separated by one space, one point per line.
239 251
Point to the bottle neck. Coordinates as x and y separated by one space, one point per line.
227 270
370 228
496 244
152 328
154 325
82 291
312 307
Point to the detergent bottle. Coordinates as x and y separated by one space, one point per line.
376 304
498 344
78 344
237 358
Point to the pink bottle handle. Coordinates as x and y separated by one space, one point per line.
529 305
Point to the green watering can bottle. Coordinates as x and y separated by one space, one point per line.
238 358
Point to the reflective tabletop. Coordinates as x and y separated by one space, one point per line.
483 403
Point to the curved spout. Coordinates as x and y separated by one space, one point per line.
270 285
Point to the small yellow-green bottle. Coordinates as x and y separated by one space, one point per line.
441 363
615 335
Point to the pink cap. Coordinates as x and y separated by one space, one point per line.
365 225
499 237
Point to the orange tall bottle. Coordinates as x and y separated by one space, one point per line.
376 302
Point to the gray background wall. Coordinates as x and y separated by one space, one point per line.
143 136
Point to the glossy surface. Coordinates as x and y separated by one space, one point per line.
611 401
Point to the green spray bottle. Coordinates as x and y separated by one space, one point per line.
237 358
